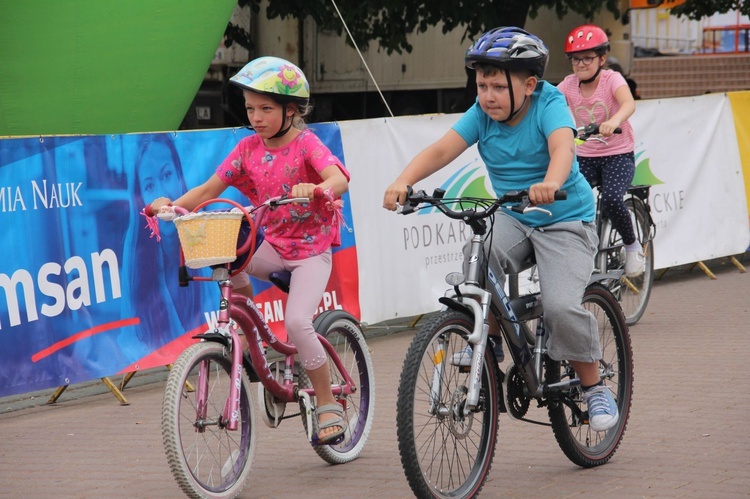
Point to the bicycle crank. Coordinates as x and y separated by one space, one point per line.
517 400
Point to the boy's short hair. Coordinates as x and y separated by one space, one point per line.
492 70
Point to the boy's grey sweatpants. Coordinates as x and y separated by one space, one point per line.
564 255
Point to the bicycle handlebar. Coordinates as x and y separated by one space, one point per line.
585 133
520 199
171 213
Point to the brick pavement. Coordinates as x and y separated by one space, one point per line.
688 434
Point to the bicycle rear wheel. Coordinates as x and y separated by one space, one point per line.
580 444
206 459
444 452
347 339
633 293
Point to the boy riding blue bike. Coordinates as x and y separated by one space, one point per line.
525 136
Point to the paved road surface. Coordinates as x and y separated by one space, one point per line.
689 432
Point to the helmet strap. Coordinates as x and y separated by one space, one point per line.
513 111
282 131
591 80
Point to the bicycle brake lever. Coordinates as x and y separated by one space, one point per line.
536 208
526 207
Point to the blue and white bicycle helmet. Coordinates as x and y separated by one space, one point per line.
511 48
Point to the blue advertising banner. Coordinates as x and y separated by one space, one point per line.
85 292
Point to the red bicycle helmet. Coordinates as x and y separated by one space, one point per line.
587 37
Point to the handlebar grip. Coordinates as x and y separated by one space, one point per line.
408 207
149 211
618 130
561 195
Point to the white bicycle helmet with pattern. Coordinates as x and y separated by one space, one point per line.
279 79
275 77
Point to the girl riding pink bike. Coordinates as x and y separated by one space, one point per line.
283 158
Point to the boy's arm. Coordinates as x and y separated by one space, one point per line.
561 153
431 159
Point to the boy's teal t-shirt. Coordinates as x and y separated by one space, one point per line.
518 156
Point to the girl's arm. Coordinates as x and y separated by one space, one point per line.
627 107
210 189
431 159
333 178
561 153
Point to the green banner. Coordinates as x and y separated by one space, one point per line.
104 66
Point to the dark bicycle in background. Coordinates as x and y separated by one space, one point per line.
633 293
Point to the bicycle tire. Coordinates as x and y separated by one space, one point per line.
579 443
207 460
444 453
347 339
632 293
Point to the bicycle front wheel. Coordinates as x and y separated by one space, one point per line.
582 445
207 459
445 452
347 339
633 293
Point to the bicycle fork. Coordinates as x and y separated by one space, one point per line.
230 414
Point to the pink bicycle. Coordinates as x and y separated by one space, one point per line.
208 420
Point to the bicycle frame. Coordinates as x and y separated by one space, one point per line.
241 311
591 131
209 429
601 220
495 300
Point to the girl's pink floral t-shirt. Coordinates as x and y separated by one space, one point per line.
598 108
296 231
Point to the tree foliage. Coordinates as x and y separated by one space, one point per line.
389 22
698 9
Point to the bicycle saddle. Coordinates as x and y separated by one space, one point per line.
281 279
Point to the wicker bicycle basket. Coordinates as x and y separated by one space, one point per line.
209 238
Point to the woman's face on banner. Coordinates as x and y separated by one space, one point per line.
158 175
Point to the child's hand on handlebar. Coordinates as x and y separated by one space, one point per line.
608 128
395 195
309 191
158 205
543 193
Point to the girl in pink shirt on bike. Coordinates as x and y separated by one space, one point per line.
283 158
598 95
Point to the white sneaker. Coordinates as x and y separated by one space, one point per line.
602 408
635 263
462 358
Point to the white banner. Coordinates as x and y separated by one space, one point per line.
403 260
698 202
686 147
